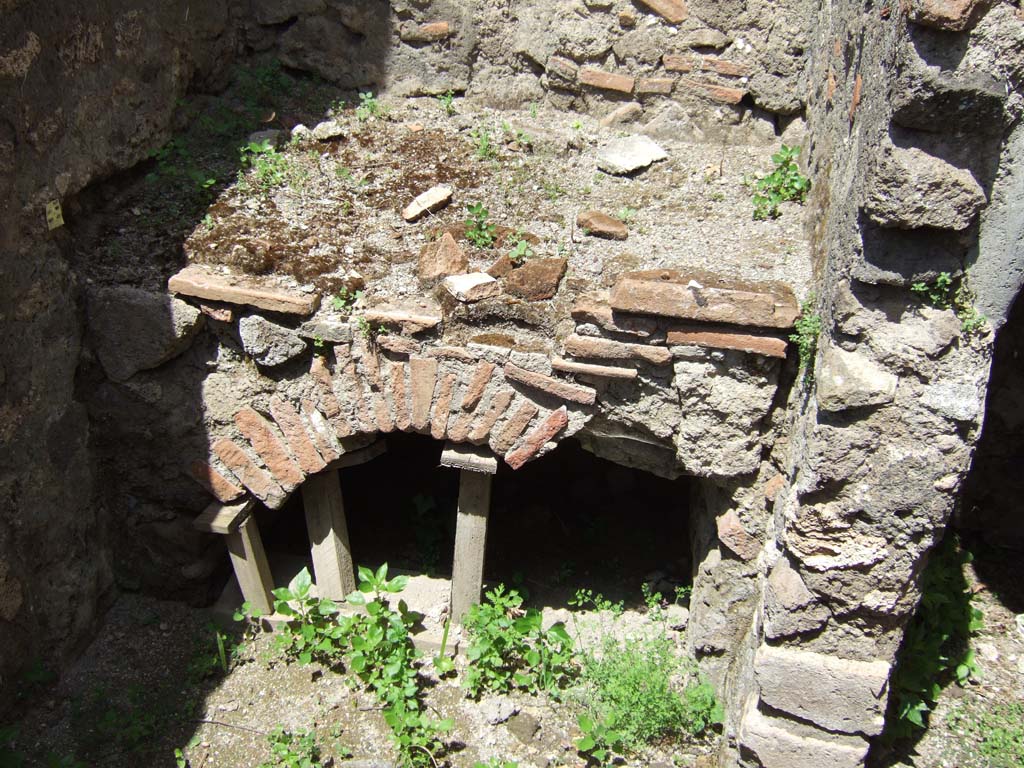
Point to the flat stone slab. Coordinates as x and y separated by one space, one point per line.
432 200
630 154
706 298
472 287
537 279
471 457
601 224
271 294
413 315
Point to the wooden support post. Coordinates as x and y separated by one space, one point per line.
470 541
251 568
328 535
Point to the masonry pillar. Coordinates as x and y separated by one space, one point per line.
328 535
476 469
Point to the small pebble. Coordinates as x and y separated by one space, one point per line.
164 627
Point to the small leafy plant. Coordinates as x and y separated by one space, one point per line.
600 740
998 732
486 148
946 293
369 107
312 632
293 749
627 214
807 329
345 299
783 184
269 168
446 100
509 648
587 597
479 230
520 253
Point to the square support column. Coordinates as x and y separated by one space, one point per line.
328 535
250 563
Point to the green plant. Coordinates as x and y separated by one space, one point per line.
998 732
946 293
683 594
807 329
484 140
269 168
627 214
600 740
585 597
520 253
479 231
509 648
552 190
936 647
369 107
207 663
293 749
446 101
444 664
381 653
345 300
783 184
495 762
312 632
180 761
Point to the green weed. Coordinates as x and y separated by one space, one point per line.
369 107
998 732
446 100
783 184
509 649
805 336
478 229
486 149
552 190
268 167
345 300
600 740
312 632
946 293
521 252
586 597
292 749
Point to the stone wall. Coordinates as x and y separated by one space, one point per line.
62 67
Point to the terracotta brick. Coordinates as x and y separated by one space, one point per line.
769 346
217 312
588 369
726 67
673 11
773 486
506 436
413 315
858 85
499 404
442 407
400 398
654 85
222 489
325 386
705 297
675 62
607 349
594 308
365 420
259 482
459 431
270 449
368 363
450 353
563 390
601 224
431 32
422 379
323 436
538 438
475 390
382 414
441 258
295 434
267 293
949 15
607 81
398 345
714 92
732 533
537 279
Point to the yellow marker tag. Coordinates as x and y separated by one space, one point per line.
54 217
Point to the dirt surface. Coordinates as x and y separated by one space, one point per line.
150 683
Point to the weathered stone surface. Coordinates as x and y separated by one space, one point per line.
510 431
294 431
472 287
850 380
325 386
484 424
594 308
477 385
259 482
442 407
422 378
430 32
434 199
413 315
769 346
327 130
555 422
790 608
218 312
673 11
501 266
622 156
712 91
537 279
937 100
607 81
705 298
732 533
550 385
333 329
649 86
270 294
622 114
910 189
269 447
219 486
608 349
588 369
836 694
323 436
268 343
441 258
776 745
602 225
561 68
398 345
278 11
133 330
950 15
706 38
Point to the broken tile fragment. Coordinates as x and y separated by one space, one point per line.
434 199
